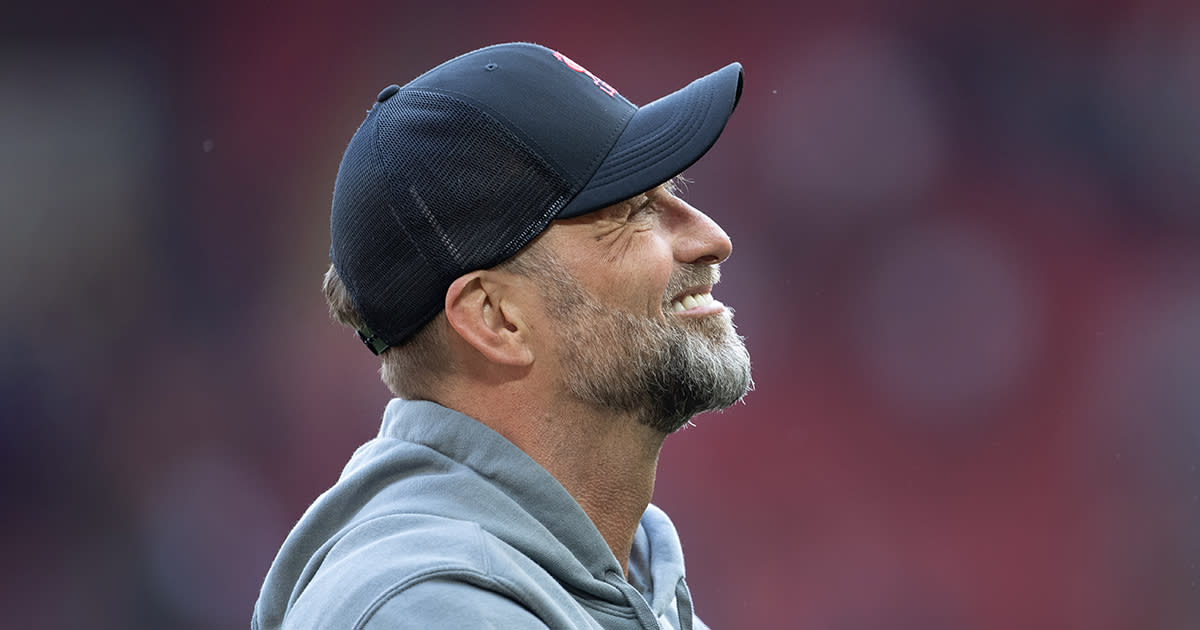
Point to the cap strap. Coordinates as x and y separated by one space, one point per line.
374 343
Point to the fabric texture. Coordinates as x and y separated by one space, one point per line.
440 522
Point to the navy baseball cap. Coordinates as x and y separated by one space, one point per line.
465 165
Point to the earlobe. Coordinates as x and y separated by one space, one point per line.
477 309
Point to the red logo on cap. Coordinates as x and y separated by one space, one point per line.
608 89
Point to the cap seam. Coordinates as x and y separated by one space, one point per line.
667 125
632 161
418 247
670 143
391 193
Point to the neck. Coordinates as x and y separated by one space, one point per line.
607 462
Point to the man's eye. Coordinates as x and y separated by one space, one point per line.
639 208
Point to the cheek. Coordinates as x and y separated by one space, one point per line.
635 281
647 285
652 276
637 289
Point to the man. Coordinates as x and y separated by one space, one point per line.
506 235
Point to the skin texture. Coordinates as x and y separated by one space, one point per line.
508 335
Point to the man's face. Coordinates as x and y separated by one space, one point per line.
637 331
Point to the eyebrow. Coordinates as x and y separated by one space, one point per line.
676 185
672 186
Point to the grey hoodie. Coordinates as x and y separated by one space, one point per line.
440 522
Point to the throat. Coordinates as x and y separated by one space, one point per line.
610 472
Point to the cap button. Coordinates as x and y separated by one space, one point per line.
388 92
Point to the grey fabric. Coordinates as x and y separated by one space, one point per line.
440 522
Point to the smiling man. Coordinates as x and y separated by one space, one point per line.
507 236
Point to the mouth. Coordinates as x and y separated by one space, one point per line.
694 300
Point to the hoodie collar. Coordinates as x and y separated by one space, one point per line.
544 522
656 564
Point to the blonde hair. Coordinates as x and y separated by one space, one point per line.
410 369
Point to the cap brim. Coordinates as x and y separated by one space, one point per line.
661 140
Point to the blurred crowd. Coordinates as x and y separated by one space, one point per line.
966 262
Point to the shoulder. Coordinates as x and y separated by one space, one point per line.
380 558
413 569
449 603
405 543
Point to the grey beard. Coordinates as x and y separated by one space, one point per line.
662 372
696 371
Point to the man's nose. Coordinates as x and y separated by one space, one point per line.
698 239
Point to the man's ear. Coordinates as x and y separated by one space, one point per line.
480 308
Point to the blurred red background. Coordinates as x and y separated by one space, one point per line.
966 261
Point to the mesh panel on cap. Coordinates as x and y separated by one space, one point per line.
463 194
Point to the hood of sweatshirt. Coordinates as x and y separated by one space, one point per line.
430 460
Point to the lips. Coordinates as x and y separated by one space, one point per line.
690 299
691 288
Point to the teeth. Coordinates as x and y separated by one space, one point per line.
691 301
